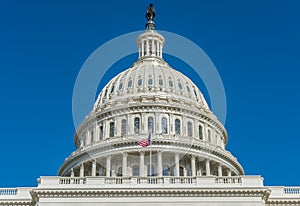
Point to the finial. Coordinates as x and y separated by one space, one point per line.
150 14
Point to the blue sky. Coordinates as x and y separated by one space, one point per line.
253 44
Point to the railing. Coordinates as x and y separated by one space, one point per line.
8 191
291 190
228 180
118 180
72 180
182 180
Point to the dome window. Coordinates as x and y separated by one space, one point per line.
195 93
120 86
179 85
136 125
112 89
111 129
150 81
164 125
101 132
200 132
170 83
129 84
160 82
140 82
150 124
124 127
188 89
190 129
177 126
105 93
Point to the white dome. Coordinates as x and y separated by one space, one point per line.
149 78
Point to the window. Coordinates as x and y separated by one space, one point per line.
179 85
177 126
164 125
166 170
123 126
160 82
150 124
92 135
111 129
190 129
129 83
195 93
135 171
112 89
150 81
101 132
140 81
188 89
120 86
136 125
209 136
181 171
105 93
200 132
170 83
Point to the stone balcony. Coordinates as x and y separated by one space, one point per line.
152 182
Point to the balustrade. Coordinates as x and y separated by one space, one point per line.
8 191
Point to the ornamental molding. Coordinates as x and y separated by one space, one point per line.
135 193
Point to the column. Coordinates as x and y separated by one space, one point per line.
108 163
81 174
143 49
142 164
147 47
124 165
94 168
193 165
176 164
157 48
72 172
159 164
219 170
207 167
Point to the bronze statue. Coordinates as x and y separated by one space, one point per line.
150 14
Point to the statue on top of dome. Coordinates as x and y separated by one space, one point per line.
150 13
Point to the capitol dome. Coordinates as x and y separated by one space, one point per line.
153 104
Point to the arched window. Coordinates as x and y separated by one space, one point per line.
200 132
177 126
164 125
136 125
160 82
124 127
111 129
190 129
150 81
112 89
120 86
101 132
150 124
135 170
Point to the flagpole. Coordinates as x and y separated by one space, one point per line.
150 154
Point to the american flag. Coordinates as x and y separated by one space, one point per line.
145 142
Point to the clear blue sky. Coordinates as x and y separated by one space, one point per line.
253 44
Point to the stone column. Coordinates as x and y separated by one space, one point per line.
81 174
176 164
207 167
193 165
142 164
108 163
159 164
124 165
147 47
219 170
94 168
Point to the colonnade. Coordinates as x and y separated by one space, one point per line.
121 165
